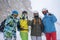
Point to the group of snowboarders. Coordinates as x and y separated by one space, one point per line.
38 26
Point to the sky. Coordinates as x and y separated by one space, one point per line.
52 5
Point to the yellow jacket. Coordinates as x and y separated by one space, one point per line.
24 25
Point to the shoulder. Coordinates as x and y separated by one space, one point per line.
50 14
9 17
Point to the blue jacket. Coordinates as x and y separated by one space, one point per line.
48 22
10 25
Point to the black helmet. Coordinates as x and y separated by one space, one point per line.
24 12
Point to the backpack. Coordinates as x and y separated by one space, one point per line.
2 25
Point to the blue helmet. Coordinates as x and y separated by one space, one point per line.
15 12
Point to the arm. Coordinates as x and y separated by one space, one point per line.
53 18
29 22
42 25
7 21
18 26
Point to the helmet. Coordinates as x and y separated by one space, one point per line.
35 13
15 12
44 9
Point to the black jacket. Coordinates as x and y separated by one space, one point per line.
37 28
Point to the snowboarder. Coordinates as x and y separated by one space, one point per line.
49 27
36 27
10 26
23 25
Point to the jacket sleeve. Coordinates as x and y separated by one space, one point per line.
7 21
54 19
18 26
32 23
29 22
42 25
